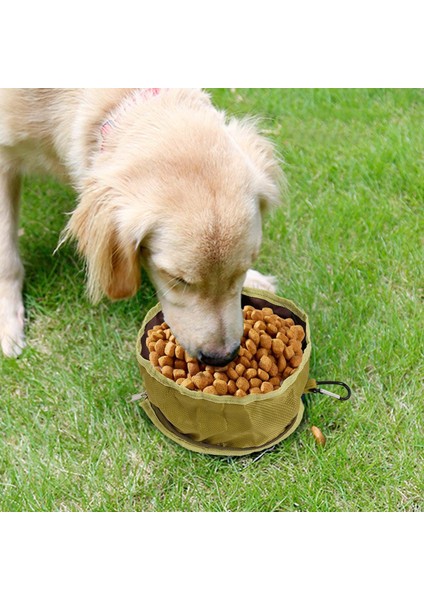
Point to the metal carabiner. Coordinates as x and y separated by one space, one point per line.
319 390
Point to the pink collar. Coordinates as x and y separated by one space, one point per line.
123 107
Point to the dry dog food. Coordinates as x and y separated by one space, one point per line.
318 435
270 351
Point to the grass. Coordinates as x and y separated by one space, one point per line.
346 246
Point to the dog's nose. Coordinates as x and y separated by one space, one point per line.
218 360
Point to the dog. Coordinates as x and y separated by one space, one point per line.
165 181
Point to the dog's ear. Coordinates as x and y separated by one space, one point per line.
124 278
111 253
262 154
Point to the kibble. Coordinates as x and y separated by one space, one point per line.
270 351
318 435
221 387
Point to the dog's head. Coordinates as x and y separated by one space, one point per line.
190 210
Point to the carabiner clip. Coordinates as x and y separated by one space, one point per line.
319 390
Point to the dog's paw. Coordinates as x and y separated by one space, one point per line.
12 338
254 279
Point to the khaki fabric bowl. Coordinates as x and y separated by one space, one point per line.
226 425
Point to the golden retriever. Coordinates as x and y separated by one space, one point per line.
164 181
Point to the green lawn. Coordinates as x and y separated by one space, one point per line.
346 246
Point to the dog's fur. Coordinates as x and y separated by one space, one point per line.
173 185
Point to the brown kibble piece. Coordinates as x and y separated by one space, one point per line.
166 361
290 334
180 364
231 387
179 352
257 315
265 363
295 361
242 384
202 379
272 329
267 387
179 374
160 347
279 323
193 368
296 345
265 341
220 375
254 336
277 347
245 361
168 372
157 335
287 372
188 358
282 363
282 336
273 370
187 383
240 393
210 389
263 375
249 373
154 358
261 352
221 387
288 352
299 332
251 346
318 435
240 369
255 390
170 349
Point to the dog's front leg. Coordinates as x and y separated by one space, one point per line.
254 279
12 339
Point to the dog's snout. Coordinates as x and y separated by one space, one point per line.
218 360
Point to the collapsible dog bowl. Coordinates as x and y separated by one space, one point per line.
227 425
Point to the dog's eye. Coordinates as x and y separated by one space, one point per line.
173 280
182 281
